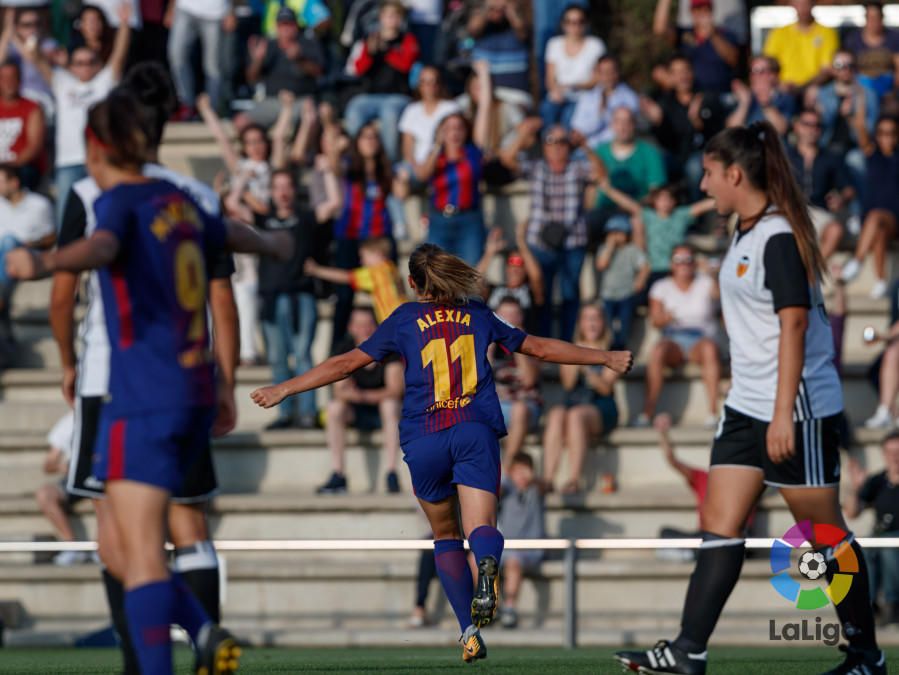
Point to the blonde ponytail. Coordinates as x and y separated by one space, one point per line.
441 277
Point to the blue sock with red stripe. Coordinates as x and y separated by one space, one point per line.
150 609
486 540
189 613
455 575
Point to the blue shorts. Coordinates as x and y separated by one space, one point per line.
155 448
534 411
464 454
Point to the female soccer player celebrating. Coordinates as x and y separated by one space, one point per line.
452 420
779 426
151 244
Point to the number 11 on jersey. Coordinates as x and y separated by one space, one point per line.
462 349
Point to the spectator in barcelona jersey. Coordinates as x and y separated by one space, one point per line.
22 127
382 62
592 115
763 98
804 49
876 50
501 31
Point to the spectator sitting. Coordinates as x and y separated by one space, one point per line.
26 31
522 278
880 202
557 229
887 415
876 50
592 115
660 226
517 380
521 516
369 399
845 106
589 409
92 30
570 67
803 49
76 88
683 119
712 50
22 128
290 62
382 61
624 274
684 307
289 311
824 179
311 15
501 33
52 498
377 276
881 493
192 21
763 99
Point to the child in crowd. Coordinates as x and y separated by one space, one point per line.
624 274
377 276
522 276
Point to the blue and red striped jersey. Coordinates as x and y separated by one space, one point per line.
457 184
448 376
365 214
154 297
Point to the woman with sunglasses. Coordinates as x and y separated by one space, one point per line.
570 66
780 422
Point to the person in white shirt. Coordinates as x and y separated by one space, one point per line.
419 121
85 82
570 60
684 307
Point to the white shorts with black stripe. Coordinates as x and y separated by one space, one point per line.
741 441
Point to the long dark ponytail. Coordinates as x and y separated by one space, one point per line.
758 151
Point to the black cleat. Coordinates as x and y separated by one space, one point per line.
486 597
861 662
393 483
217 651
663 658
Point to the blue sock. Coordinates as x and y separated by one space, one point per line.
484 541
189 613
455 575
150 609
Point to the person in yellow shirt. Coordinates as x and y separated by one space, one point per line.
803 49
377 276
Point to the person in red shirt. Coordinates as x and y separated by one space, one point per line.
22 127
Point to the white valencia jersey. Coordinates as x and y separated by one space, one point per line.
93 366
762 273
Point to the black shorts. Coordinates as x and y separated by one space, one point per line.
200 483
741 441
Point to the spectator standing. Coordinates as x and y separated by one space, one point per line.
625 272
92 30
522 277
571 60
501 32
522 515
804 49
382 61
22 127
592 114
881 493
26 30
370 399
876 50
290 62
731 14
312 15
846 106
425 19
763 99
880 204
589 409
76 88
192 20
557 228
419 122
684 308
823 177
712 50
150 40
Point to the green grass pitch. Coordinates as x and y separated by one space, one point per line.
508 660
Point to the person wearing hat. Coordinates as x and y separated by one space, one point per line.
625 270
712 50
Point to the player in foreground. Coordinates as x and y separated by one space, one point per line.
452 420
151 244
780 421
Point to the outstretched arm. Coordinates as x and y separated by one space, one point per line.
85 254
557 351
333 274
334 369
246 239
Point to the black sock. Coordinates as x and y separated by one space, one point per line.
718 566
427 570
115 597
855 611
199 568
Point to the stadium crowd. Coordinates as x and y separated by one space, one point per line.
344 112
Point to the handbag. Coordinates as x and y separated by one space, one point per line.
553 235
